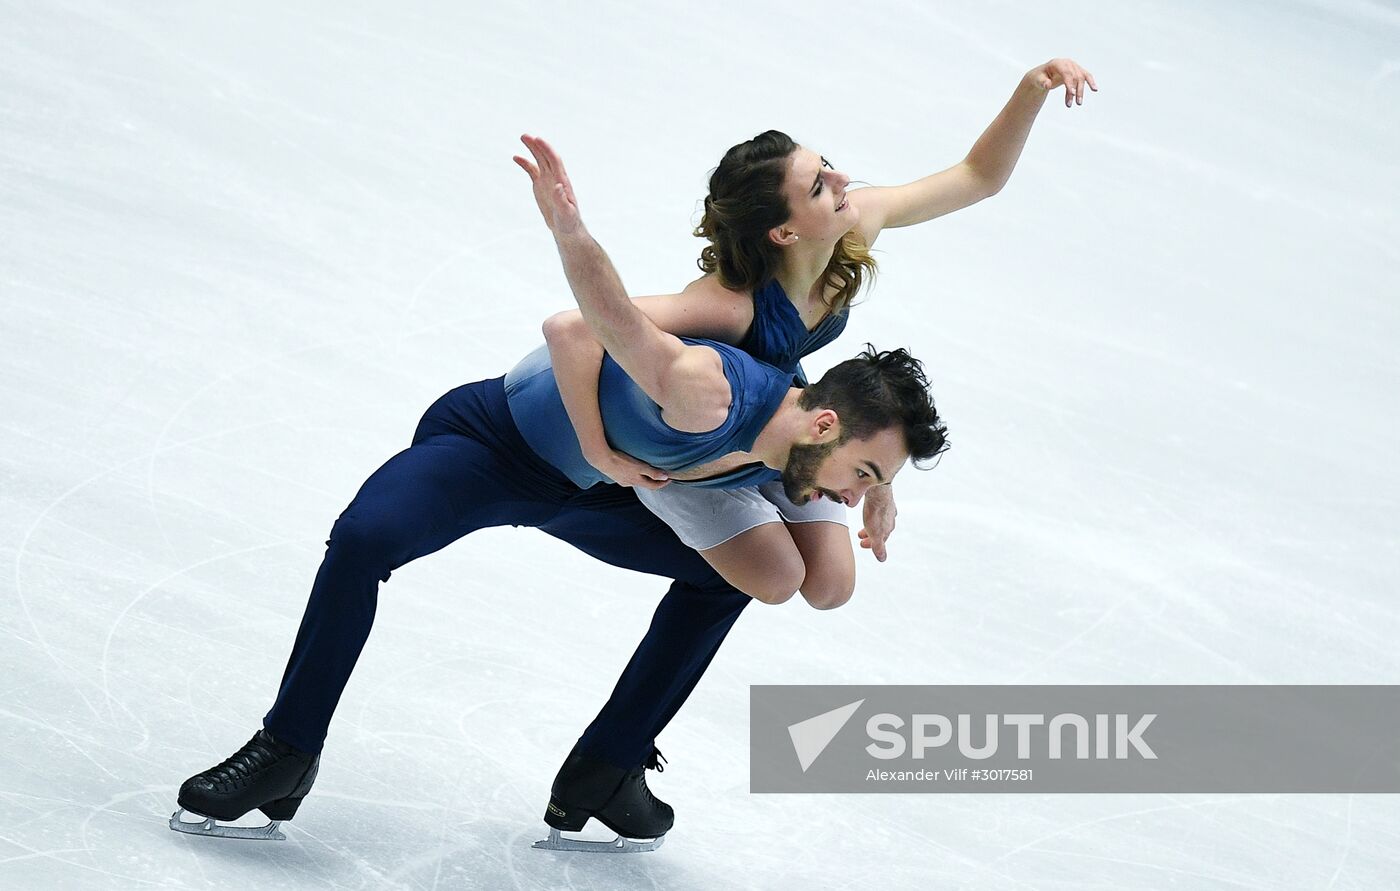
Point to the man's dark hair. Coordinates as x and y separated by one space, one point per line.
877 390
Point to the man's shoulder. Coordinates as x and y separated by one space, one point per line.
740 370
697 390
730 356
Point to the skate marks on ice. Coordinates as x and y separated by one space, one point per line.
89 711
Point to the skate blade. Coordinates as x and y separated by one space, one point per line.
209 826
619 845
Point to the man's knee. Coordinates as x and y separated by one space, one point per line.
365 540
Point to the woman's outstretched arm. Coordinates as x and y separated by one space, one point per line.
987 166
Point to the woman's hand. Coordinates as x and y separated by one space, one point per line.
1063 72
553 192
625 470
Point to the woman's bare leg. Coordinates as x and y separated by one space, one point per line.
829 559
773 561
763 562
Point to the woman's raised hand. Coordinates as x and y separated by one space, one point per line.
1067 73
553 192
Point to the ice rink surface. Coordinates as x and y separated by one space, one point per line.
243 246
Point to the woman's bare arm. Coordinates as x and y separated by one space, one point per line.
987 166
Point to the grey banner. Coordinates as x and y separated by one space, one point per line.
1074 739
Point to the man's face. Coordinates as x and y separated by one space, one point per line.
843 472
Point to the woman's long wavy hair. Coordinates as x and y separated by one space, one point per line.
745 202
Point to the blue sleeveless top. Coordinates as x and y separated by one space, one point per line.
633 423
779 336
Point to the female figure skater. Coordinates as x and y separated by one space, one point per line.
788 251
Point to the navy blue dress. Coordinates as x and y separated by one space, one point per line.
778 335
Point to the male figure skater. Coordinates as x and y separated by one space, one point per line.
502 451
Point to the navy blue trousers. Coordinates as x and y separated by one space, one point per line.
468 468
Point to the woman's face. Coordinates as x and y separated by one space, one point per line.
816 193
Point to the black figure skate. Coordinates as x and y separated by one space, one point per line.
265 774
617 798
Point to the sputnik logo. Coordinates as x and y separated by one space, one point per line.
811 737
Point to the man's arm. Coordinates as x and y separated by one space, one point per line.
703 309
688 382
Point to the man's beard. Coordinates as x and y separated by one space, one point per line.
800 474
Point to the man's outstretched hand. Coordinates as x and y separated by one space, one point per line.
879 520
553 192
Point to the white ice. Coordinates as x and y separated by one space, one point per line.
244 245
